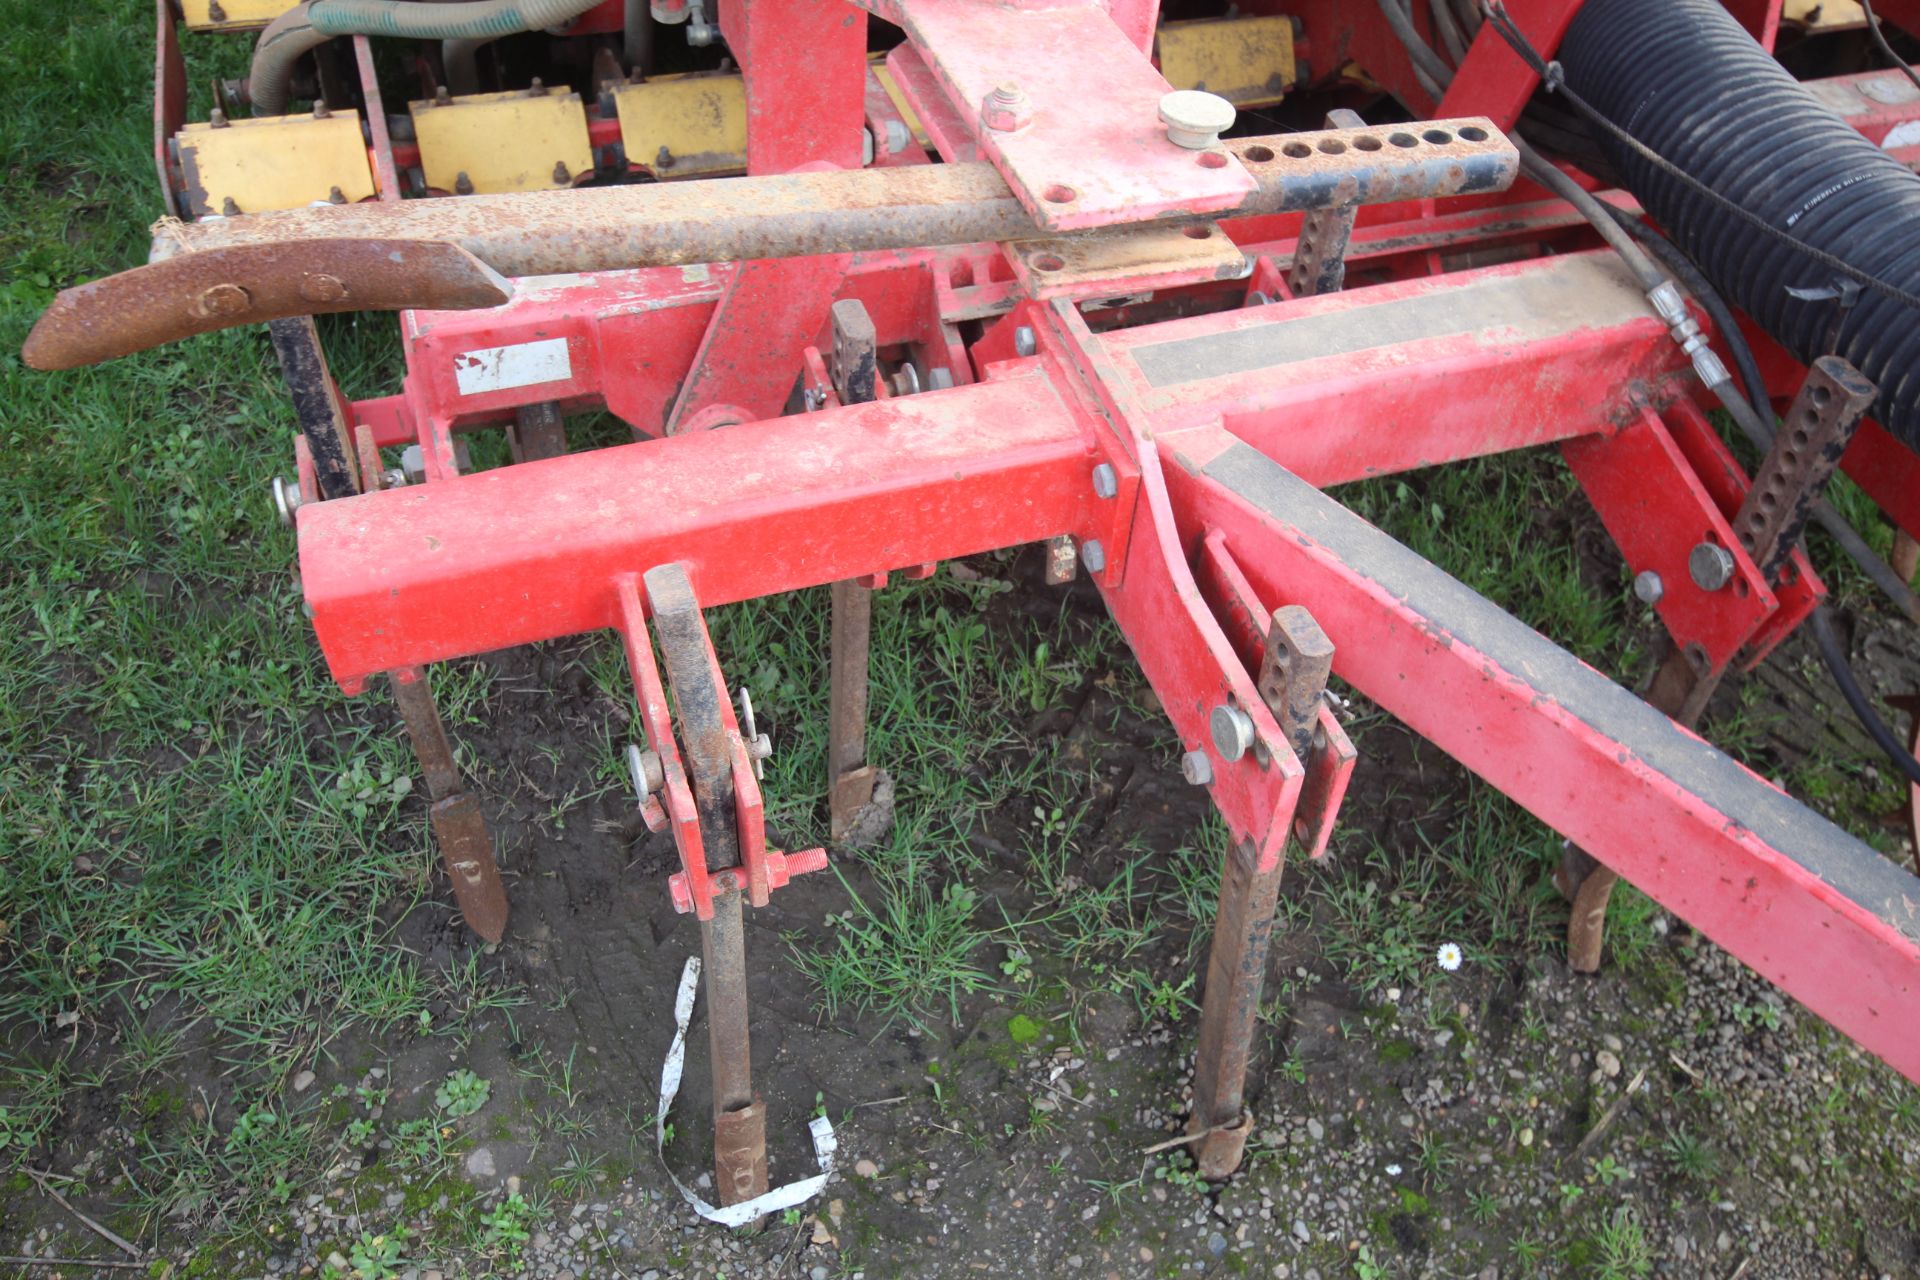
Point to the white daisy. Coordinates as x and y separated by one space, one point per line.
1449 957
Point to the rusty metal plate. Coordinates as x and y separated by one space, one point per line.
231 15
685 126
484 143
200 292
274 162
1097 263
1247 61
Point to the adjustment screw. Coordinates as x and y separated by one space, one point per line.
1232 731
1196 768
1647 585
645 769
1106 483
1710 566
1093 555
286 499
1195 119
1024 341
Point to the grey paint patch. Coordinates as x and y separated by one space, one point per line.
1451 608
1569 293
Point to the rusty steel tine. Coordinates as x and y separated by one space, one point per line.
459 828
849 776
855 371
1293 678
1230 1010
538 431
442 254
700 698
197 293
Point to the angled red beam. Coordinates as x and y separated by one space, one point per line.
1804 904
1384 379
480 562
1492 77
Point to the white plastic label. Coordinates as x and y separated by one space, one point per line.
734 1215
524 364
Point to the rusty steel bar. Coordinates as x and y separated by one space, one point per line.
229 271
1229 1011
459 828
849 776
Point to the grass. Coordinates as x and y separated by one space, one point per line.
204 848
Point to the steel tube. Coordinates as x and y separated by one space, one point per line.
243 264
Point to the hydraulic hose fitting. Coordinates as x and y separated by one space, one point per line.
1680 321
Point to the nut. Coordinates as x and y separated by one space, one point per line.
1106 482
1024 341
1648 586
1006 108
1093 555
1196 768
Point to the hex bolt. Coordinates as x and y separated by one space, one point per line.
897 137
1710 566
939 379
1024 341
1106 482
645 769
1196 768
1006 108
1647 585
286 499
1195 119
393 478
866 147
1093 555
1232 731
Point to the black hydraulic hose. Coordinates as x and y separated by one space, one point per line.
1836 660
1758 181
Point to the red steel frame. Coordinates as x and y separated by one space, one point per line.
1204 419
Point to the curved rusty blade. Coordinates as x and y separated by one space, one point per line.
196 293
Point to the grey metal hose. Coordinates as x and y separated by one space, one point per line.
299 31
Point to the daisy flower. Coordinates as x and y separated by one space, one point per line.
1449 957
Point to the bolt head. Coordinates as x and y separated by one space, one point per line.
286 499
1710 566
1093 555
1648 586
939 379
897 137
646 771
1232 731
1195 118
1106 482
1196 768
1024 341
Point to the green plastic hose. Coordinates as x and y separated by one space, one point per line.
299 31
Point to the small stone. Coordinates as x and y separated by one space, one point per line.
1076 1262
818 1273
866 1168
480 1163
303 1082
1216 1244
1316 1130
1613 1043
1608 1062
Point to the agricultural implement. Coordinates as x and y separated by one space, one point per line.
882 285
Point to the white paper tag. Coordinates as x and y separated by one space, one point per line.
734 1215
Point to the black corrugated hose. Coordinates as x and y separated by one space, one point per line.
1685 79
